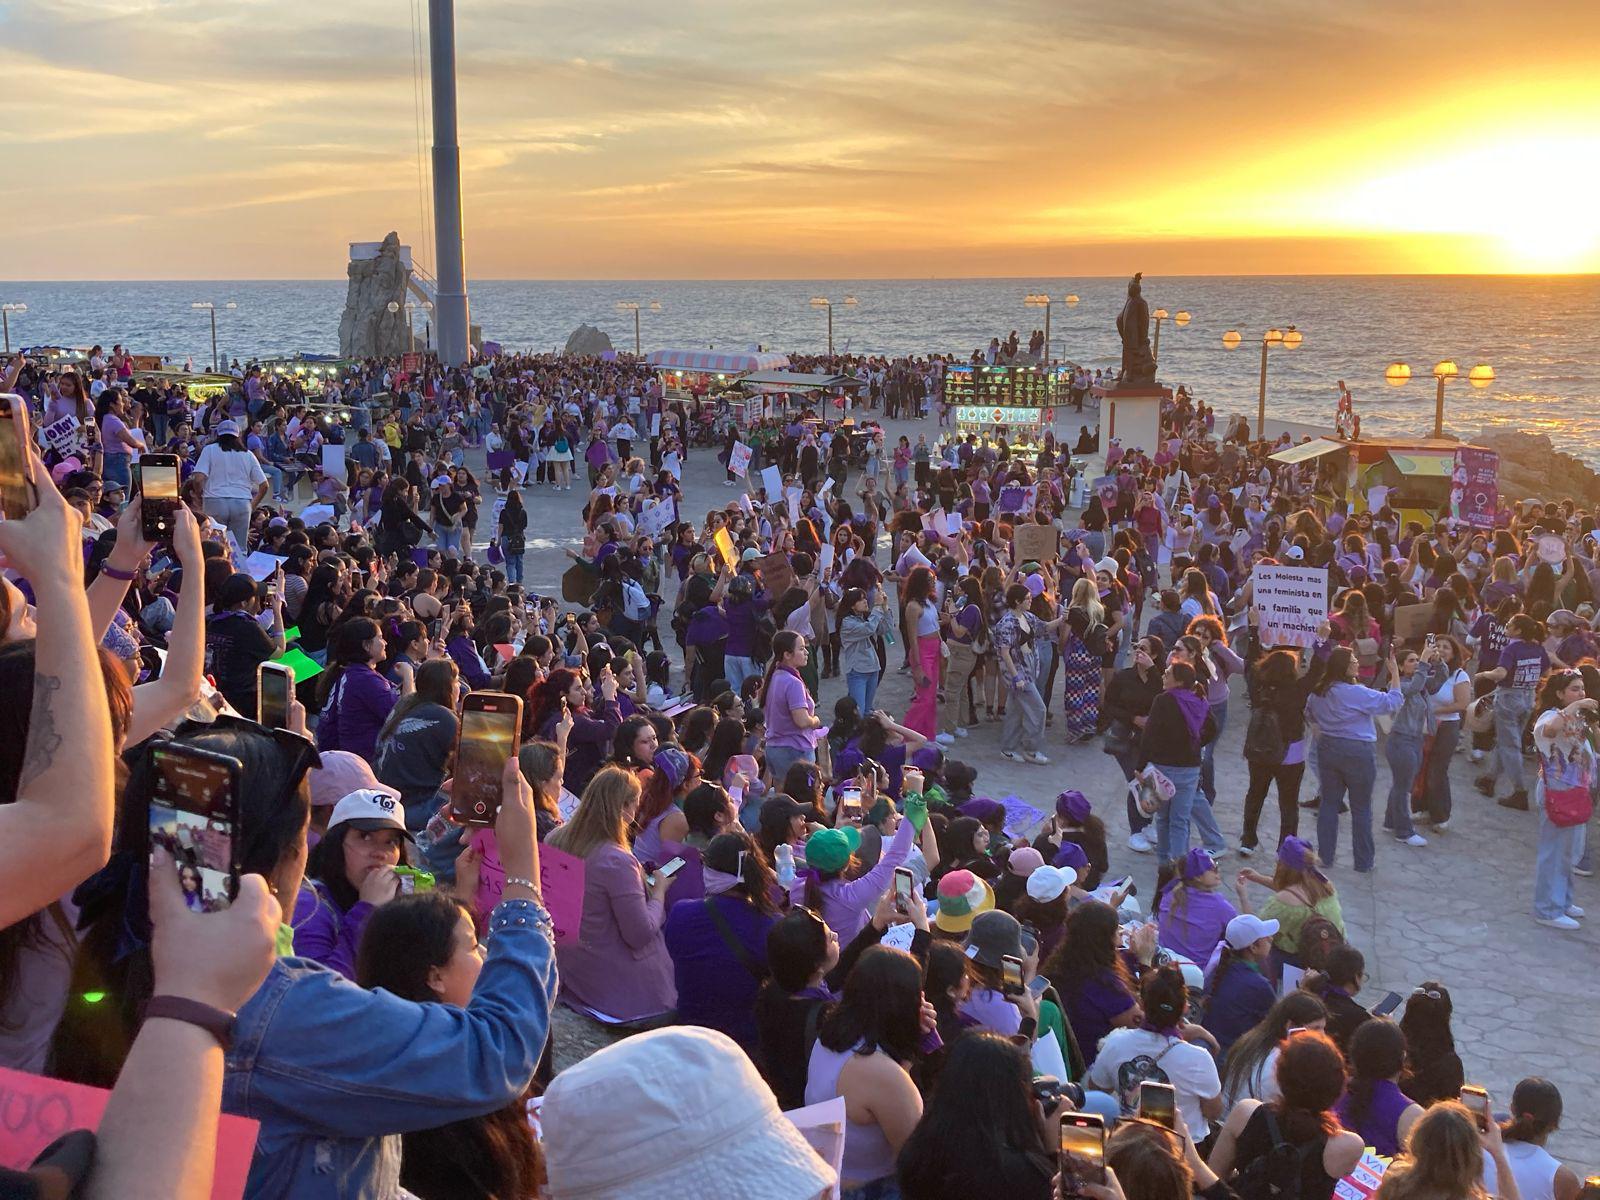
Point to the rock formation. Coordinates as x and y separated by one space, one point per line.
368 329
588 341
1532 468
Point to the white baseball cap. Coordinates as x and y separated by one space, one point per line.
1294 553
1246 929
1046 883
369 809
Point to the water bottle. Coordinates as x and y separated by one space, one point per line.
785 857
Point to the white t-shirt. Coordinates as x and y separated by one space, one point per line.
1446 694
1129 1057
230 474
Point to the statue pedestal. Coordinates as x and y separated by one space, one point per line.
1133 415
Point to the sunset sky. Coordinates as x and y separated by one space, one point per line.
150 139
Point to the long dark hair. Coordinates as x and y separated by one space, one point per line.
402 943
1088 950
1426 1024
785 641
1377 1052
881 1007
1310 1076
951 1154
1291 1011
347 649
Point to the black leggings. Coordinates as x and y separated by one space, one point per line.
1262 776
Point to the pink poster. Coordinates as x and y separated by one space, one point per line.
560 883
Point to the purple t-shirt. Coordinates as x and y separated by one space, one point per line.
1093 1007
1195 932
1525 664
1491 637
992 1011
787 691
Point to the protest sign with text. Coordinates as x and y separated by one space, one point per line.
1292 603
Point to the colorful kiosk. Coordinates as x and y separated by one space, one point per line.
1014 402
1414 474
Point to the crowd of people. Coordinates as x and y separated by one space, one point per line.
783 903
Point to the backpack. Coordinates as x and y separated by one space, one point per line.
1263 737
1094 635
1276 1175
761 642
1318 939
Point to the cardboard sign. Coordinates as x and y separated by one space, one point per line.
739 459
823 1127
1411 621
561 884
39 1110
1292 603
777 574
1475 487
1035 543
724 543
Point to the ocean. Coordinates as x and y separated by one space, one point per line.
1541 334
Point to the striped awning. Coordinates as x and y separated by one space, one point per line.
710 360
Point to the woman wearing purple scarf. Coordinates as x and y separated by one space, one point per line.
1179 726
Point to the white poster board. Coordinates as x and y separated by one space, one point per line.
333 460
739 459
1292 603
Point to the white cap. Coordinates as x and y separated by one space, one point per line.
369 809
1046 883
1246 929
1294 554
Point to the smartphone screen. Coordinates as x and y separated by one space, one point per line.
904 881
850 804
274 684
1011 975
158 494
490 725
1387 1005
1158 1102
16 492
670 868
1082 1150
194 814
1476 1100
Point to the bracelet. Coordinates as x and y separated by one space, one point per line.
513 881
112 572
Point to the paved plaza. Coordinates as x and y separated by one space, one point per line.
1457 911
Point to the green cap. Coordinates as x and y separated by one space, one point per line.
830 849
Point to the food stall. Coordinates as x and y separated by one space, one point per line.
1415 474
770 392
708 381
199 386
1016 402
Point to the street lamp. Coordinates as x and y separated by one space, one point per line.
1180 318
1285 339
212 308
634 306
1040 300
824 302
5 318
1396 374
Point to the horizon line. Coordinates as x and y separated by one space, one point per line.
860 278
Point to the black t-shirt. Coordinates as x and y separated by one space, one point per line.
235 646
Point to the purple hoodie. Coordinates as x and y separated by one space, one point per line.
357 708
323 933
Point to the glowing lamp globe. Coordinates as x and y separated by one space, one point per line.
1181 317
1396 374
1070 300
851 300
1273 337
1446 369
1161 314
1481 376
1292 337
819 302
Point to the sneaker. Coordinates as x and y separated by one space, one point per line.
945 739
1220 852
1140 843
1416 839
1517 801
1575 912
1441 826
1584 870
1013 755
727 483
1476 756
1246 851
1561 922
961 731
1038 759
1484 784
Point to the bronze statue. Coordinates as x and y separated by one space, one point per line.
1133 323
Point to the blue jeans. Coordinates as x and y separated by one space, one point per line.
862 686
1128 761
448 540
1208 763
1512 708
1404 753
736 668
1346 766
1172 821
781 758
512 565
1559 848
114 469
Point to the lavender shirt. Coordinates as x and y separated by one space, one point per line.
785 692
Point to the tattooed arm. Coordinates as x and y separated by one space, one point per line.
58 831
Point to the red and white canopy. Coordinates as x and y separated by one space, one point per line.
711 360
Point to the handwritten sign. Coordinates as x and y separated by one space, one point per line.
1292 603
39 1110
62 435
777 574
1020 816
739 459
1014 498
1362 1182
1035 543
657 516
561 884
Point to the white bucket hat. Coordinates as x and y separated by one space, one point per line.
671 1114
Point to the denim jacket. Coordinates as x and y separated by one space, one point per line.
1415 719
336 1073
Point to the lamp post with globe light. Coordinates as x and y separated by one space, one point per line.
1285 339
212 308
1179 319
5 317
634 306
1398 374
824 302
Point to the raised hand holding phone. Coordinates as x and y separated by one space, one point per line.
514 835
46 543
215 958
